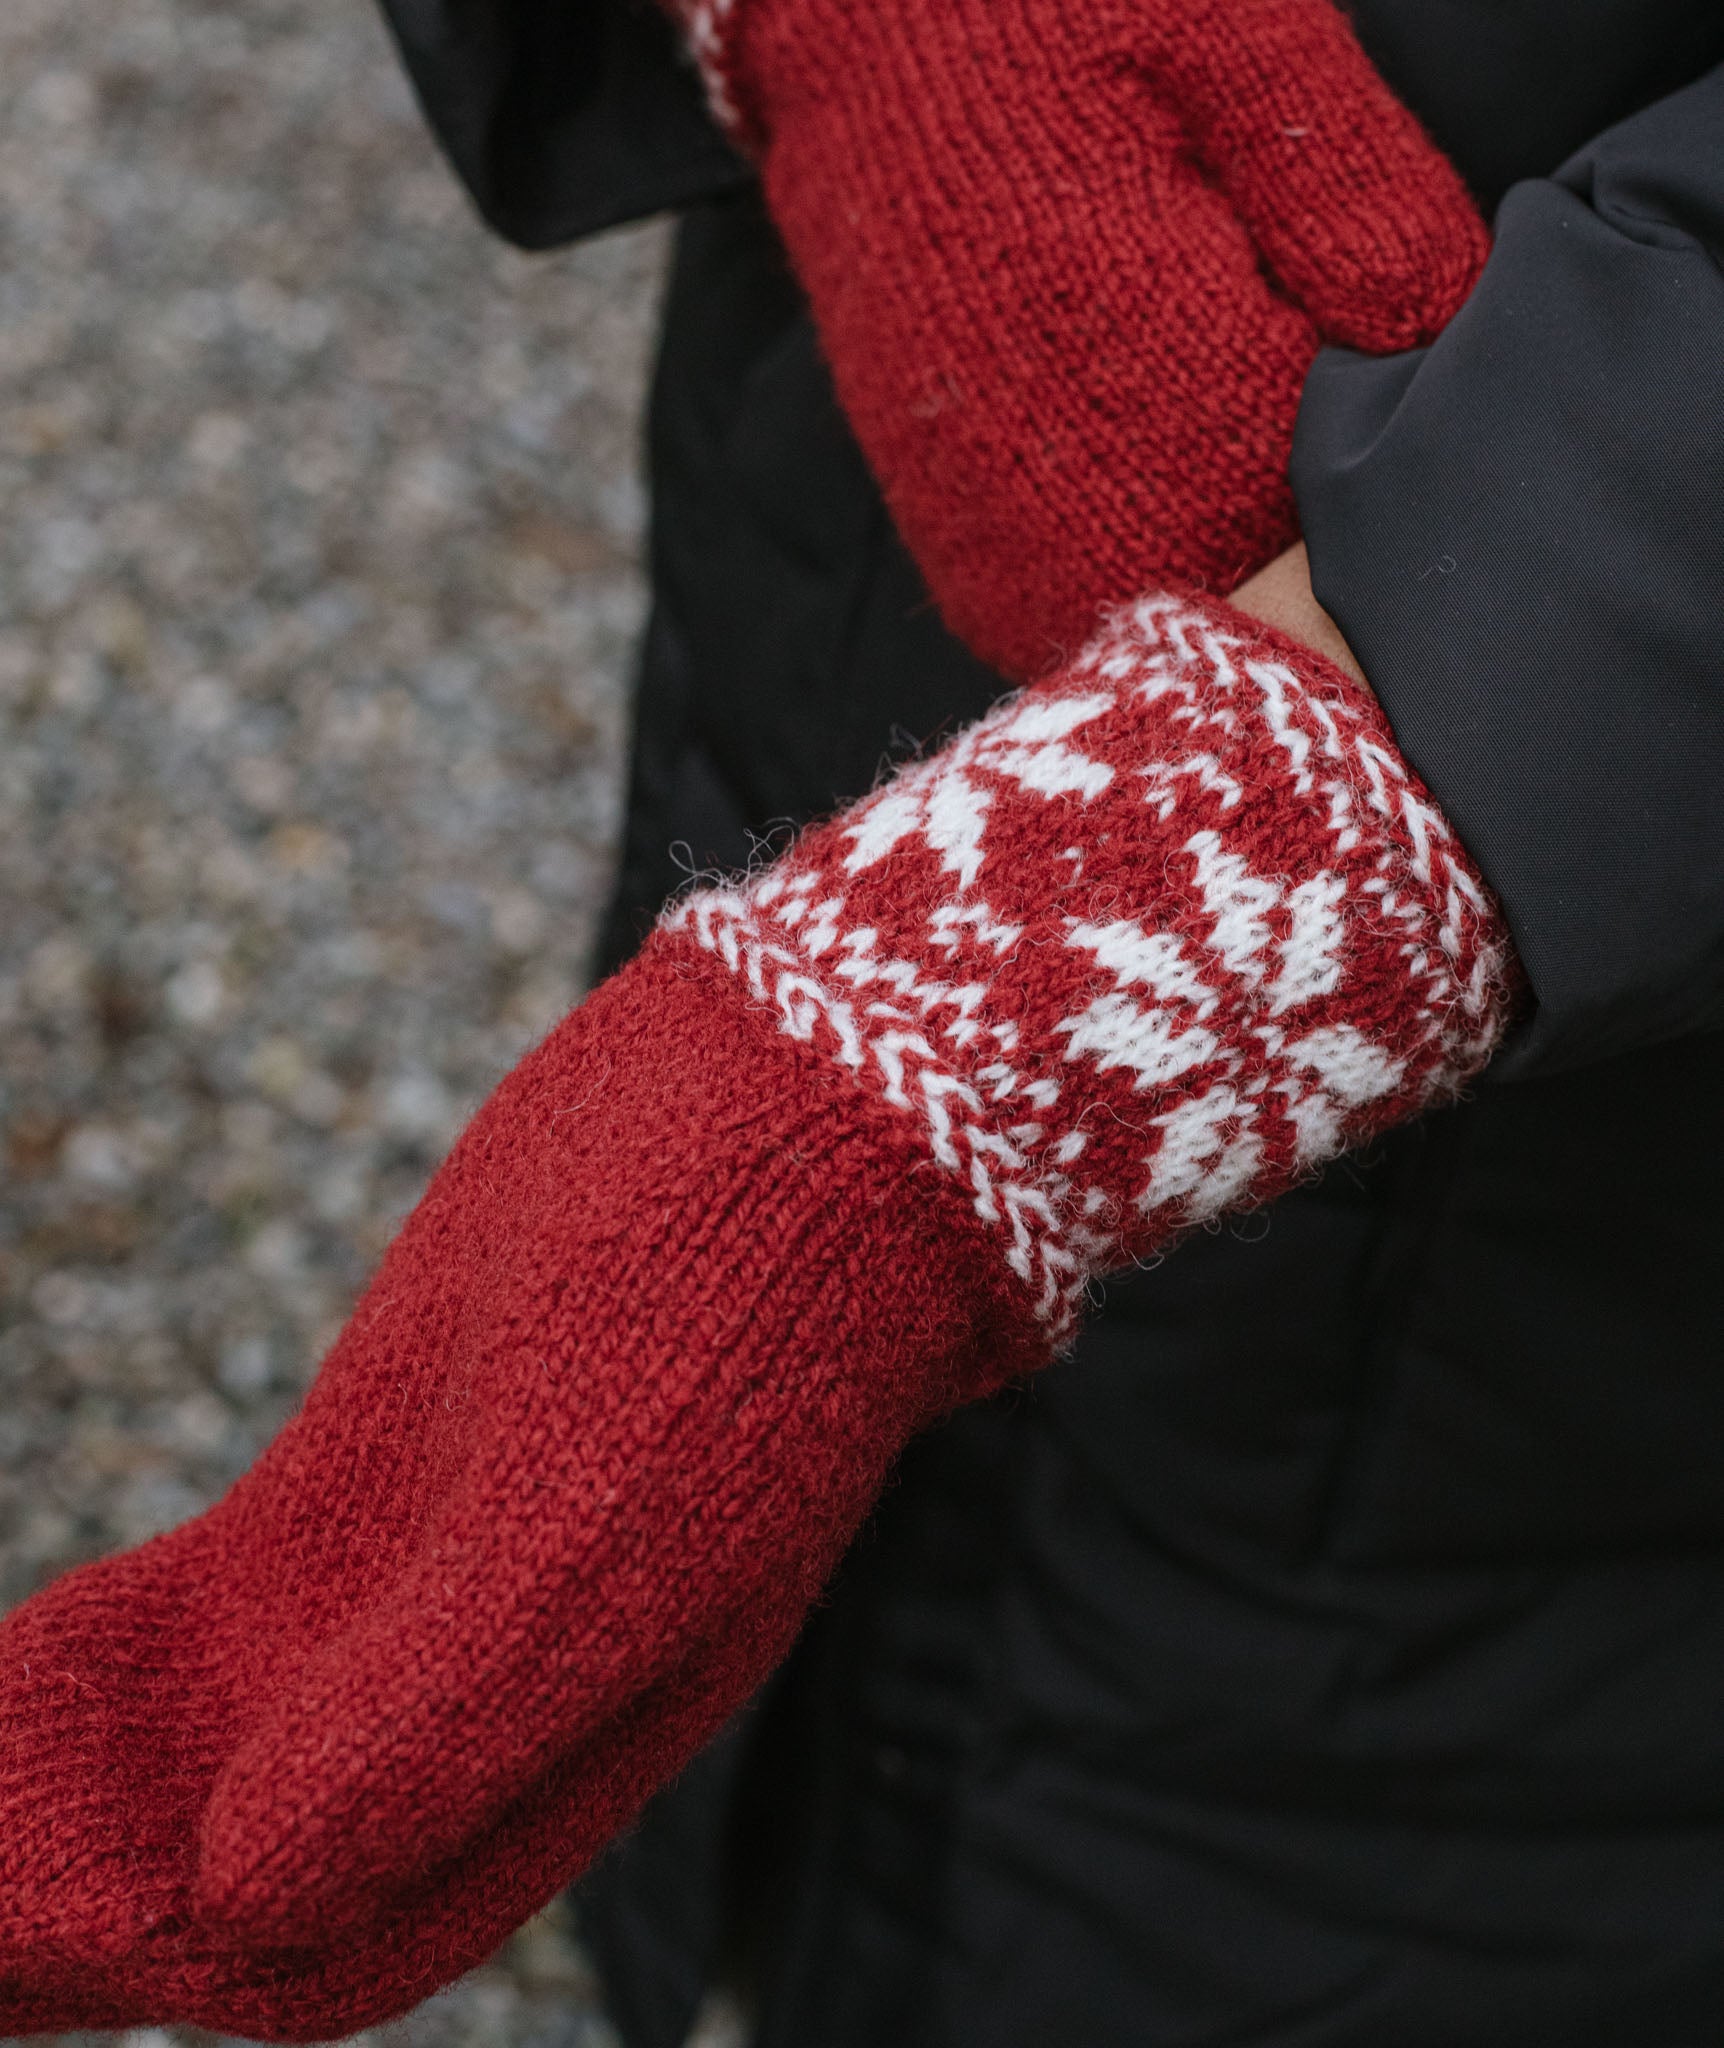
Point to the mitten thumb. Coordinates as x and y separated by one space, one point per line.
1354 209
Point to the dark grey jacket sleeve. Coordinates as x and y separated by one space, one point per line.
563 117
1520 530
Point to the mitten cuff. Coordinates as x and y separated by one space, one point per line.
1148 943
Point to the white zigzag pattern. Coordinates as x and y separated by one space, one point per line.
708 25
935 1047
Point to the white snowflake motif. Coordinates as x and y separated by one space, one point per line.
1200 1017
944 804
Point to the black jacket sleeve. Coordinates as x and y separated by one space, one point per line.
563 117
1520 530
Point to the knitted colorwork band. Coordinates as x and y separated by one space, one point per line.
708 26
1147 943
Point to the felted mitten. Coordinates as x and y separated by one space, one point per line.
843 1147
1070 261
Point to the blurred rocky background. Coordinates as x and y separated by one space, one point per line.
318 582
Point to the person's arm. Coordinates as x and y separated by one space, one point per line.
1280 594
841 1148
1069 261
1520 532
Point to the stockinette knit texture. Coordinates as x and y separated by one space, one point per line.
1070 261
842 1148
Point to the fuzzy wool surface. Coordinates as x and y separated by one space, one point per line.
838 1151
1071 261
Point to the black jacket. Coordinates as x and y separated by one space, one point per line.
1333 1652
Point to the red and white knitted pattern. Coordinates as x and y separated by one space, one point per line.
835 1152
708 26
1146 944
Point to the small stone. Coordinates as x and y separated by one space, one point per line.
415 1105
34 1139
277 1251
197 994
517 921
57 973
340 1195
199 1424
262 780
249 1128
102 1156
119 629
62 1299
77 684
279 1067
319 1099
218 439
426 489
230 874
204 704
246 1367
63 99
307 848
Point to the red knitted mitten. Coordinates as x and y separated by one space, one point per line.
841 1149
1071 260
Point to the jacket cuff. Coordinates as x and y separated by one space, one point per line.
1520 532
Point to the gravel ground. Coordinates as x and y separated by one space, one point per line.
317 587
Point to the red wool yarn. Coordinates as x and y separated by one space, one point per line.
1070 261
842 1148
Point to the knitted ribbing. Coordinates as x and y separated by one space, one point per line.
1070 261
616 1400
839 1150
